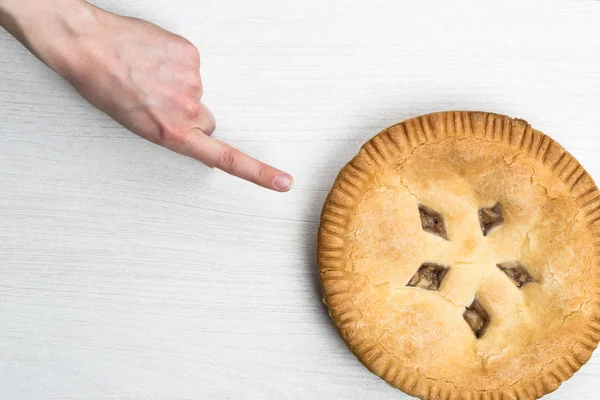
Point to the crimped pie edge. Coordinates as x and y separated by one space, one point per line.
391 144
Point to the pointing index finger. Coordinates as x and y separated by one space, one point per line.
215 153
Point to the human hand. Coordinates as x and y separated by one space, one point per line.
141 75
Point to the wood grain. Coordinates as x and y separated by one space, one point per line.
131 272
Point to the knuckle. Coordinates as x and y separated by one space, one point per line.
195 54
191 52
184 49
194 81
189 105
228 159
192 109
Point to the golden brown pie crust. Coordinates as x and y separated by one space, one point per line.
372 242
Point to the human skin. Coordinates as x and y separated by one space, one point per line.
144 77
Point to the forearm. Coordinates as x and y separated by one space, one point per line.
50 29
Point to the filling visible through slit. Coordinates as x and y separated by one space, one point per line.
490 218
432 221
516 272
477 318
429 276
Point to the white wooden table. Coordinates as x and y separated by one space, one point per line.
127 271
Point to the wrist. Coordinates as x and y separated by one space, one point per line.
50 29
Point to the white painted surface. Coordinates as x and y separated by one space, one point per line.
130 272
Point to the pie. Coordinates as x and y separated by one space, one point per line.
458 255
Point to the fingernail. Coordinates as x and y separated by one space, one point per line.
283 182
